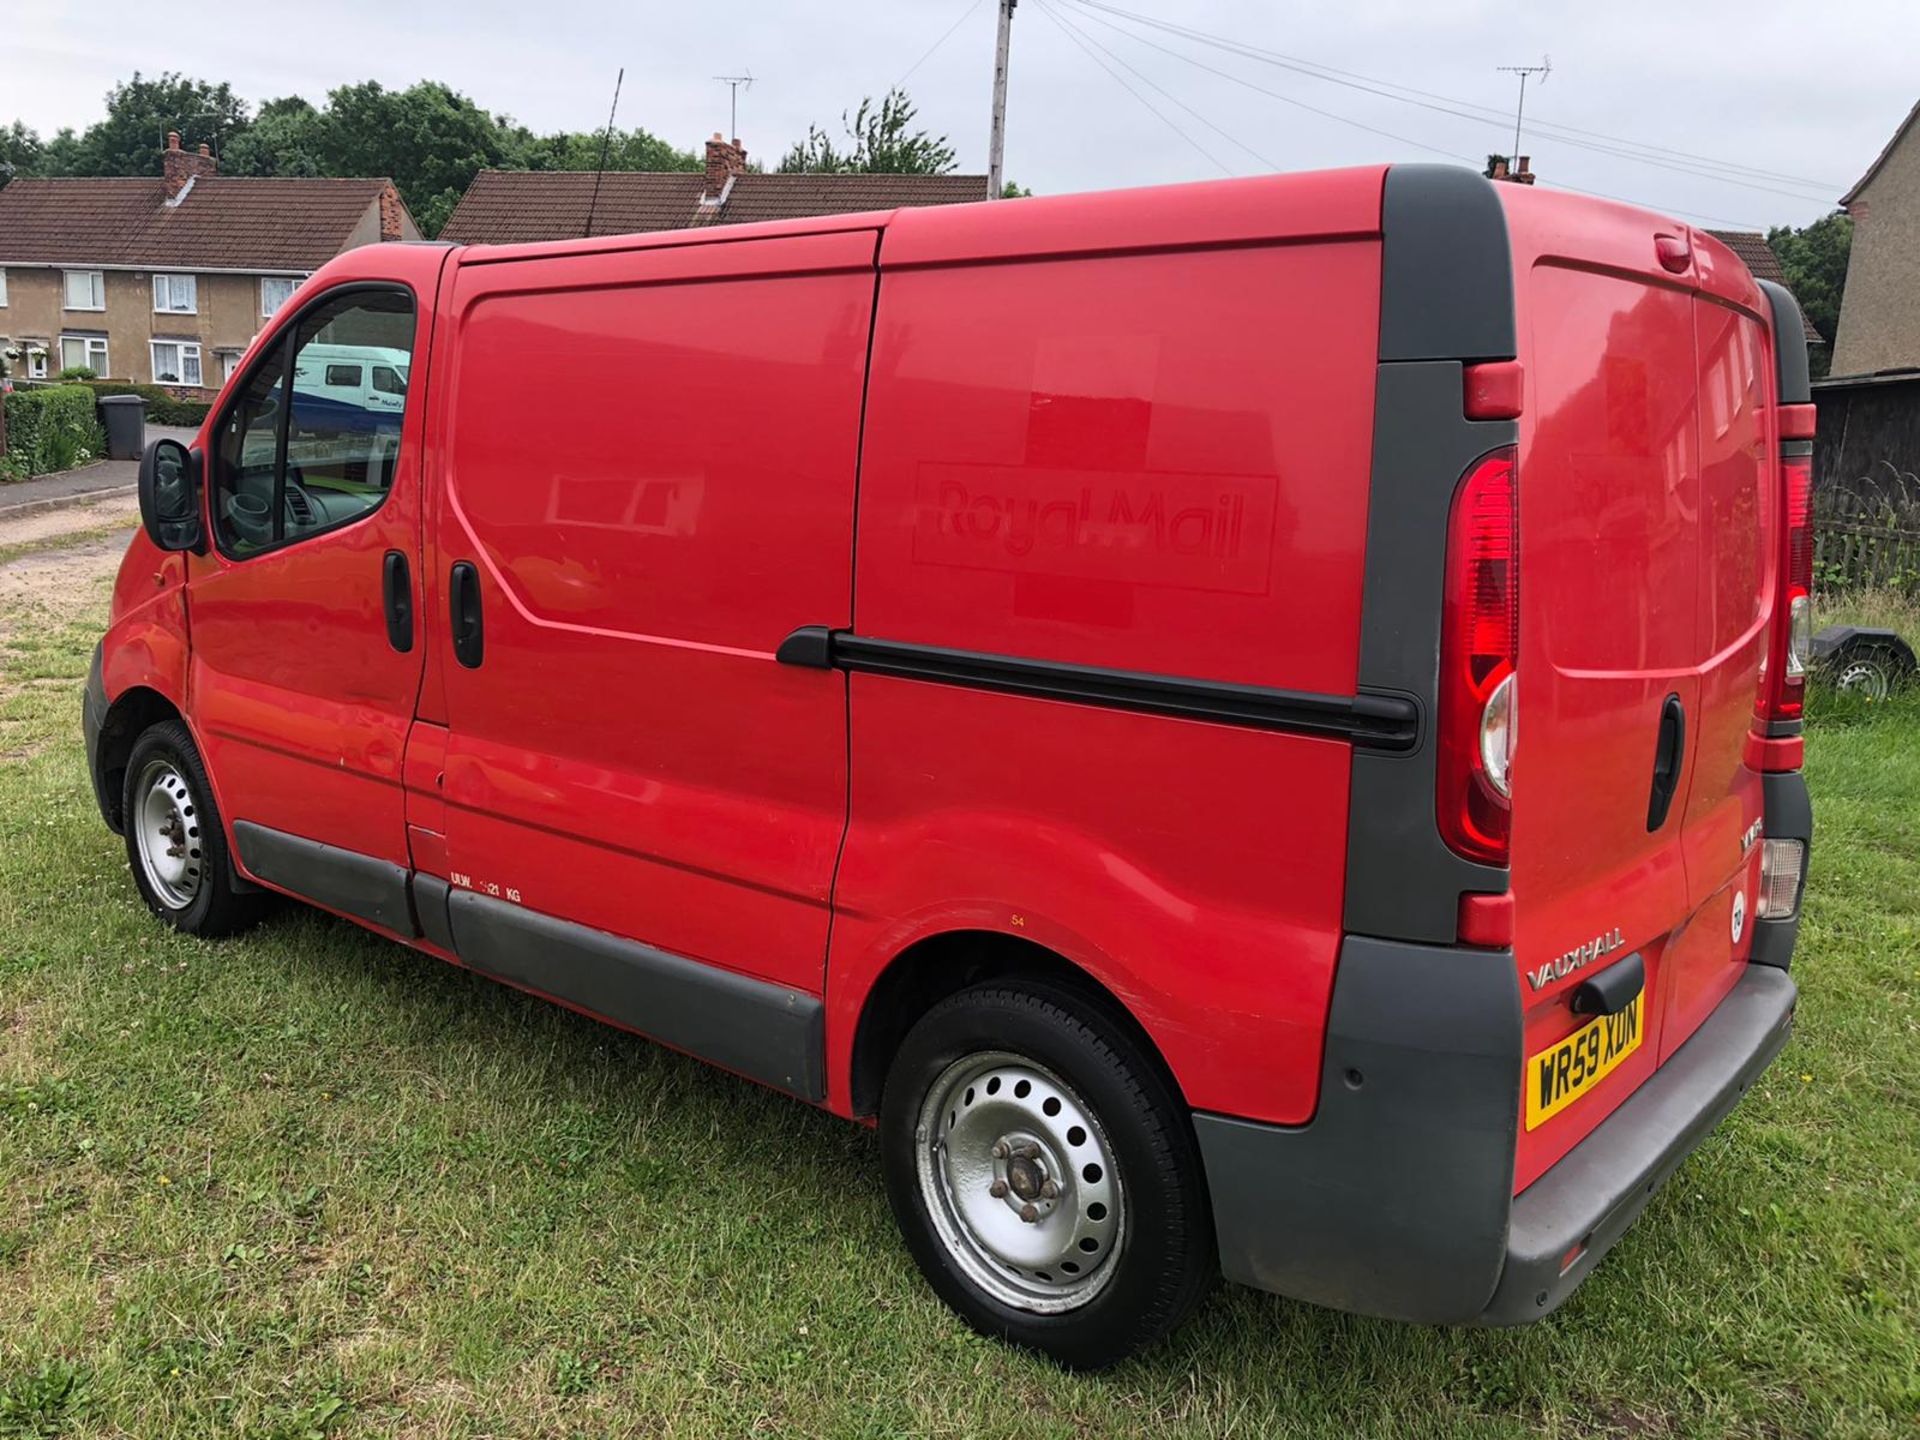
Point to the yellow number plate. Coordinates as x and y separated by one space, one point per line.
1560 1074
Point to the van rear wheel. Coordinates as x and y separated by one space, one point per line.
176 846
1044 1174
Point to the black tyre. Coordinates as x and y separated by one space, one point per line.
175 844
1044 1174
1872 669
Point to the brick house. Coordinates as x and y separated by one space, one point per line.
507 207
1880 310
166 279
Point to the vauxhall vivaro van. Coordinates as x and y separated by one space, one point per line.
1249 727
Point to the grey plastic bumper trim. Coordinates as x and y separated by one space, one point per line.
1598 1189
363 886
767 1032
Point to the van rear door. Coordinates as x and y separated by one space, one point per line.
1609 577
1645 538
1738 511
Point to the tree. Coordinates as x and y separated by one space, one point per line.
580 150
287 137
1815 260
429 139
140 112
20 151
879 142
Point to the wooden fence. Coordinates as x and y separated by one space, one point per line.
1867 534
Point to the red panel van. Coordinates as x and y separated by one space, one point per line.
1250 728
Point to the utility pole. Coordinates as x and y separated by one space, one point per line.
734 84
997 144
1543 69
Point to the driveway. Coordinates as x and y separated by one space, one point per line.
96 481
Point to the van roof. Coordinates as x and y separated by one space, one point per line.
1317 205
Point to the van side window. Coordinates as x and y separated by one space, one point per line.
299 458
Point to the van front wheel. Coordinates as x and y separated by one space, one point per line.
175 844
1044 1175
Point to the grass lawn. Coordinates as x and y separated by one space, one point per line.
312 1183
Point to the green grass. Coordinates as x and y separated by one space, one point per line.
312 1183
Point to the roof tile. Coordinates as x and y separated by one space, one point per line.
222 223
513 207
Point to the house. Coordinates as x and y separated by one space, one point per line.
166 279
1880 310
508 207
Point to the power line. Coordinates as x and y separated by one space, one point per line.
1288 99
1703 167
1119 79
1227 135
945 35
1397 139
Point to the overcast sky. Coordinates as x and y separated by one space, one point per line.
1799 90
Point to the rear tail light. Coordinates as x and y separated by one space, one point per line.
1479 649
1793 646
1782 863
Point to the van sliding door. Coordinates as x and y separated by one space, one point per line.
649 484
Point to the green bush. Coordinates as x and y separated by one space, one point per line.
77 372
162 408
48 429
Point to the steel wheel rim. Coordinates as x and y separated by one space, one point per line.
166 831
995 1130
1864 678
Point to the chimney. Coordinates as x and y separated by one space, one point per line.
181 168
390 213
725 159
1517 173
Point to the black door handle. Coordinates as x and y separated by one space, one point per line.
1668 755
397 586
463 605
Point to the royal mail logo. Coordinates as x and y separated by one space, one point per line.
1202 532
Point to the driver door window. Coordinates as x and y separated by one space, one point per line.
303 457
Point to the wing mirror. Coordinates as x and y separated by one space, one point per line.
170 496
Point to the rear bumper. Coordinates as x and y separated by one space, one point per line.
1600 1187
1396 1199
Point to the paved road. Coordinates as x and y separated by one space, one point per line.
104 477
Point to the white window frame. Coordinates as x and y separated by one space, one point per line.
3 287
229 363
292 282
171 284
97 286
87 344
187 348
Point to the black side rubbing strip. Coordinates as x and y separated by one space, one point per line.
430 909
1382 722
770 1033
363 886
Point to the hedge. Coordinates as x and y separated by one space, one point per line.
162 408
50 428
